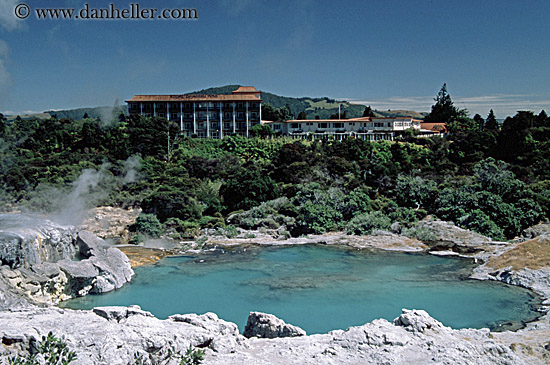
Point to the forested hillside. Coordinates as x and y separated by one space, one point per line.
284 107
493 181
322 108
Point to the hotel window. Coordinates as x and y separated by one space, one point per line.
227 116
162 115
147 107
295 125
187 125
309 123
322 125
201 125
254 115
174 106
378 124
187 105
174 116
240 115
337 125
227 105
240 105
276 126
215 125
226 125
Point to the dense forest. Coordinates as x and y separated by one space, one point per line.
490 178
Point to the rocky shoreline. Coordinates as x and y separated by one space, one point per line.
83 263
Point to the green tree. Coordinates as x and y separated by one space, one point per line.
151 136
491 122
302 115
444 110
261 130
542 119
414 192
247 187
479 121
269 112
169 202
149 225
368 112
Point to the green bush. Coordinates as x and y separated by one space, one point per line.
231 231
480 222
148 224
364 224
137 239
54 351
185 229
193 356
421 233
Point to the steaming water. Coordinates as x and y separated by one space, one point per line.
321 288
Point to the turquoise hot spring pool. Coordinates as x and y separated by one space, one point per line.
321 288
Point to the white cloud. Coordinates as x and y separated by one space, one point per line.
6 81
7 15
503 104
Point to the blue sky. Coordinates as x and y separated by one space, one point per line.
385 53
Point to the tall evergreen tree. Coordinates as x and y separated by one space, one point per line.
491 122
542 118
444 110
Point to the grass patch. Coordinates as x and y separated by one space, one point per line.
533 254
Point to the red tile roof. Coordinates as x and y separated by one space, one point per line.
246 89
195 97
436 127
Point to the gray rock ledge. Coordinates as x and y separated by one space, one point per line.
116 335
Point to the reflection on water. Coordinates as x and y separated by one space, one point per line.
321 288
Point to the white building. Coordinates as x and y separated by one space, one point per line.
368 128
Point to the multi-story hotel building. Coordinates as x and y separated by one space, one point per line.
206 116
369 128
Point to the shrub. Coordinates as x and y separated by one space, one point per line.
480 222
184 229
421 233
148 224
192 356
53 350
231 231
137 239
364 224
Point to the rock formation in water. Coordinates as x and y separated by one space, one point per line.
44 262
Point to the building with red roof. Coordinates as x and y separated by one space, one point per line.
205 116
